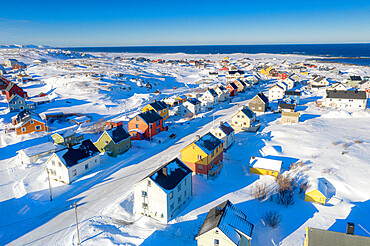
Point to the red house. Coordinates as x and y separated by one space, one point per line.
19 65
14 89
3 83
233 89
146 125
224 69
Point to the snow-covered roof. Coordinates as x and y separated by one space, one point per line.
169 175
208 143
318 184
39 149
229 219
40 99
265 163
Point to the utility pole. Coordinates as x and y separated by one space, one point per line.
51 197
78 233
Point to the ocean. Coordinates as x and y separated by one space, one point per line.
358 54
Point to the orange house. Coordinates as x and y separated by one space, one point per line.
27 122
146 125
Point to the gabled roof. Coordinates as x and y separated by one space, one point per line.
319 237
346 94
292 93
208 143
150 116
290 114
14 96
118 134
263 97
83 151
234 86
159 105
226 128
248 112
229 219
318 184
355 78
169 175
26 115
287 106
193 101
10 86
213 92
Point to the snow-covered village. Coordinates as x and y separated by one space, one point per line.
181 149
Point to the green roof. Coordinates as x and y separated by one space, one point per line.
319 237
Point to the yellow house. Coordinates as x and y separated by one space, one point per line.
204 156
225 225
158 106
265 166
317 191
265 71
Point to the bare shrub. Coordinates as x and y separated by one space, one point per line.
358 141
98 127
303 187
272 219
259 191
335 143
345 145
285 190
327 171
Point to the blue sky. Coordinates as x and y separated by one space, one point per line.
164 22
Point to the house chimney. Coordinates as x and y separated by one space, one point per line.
221 123
350 228
154 100
197 137
217 211
244 107
164 170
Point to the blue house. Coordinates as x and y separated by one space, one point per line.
17 103
292 97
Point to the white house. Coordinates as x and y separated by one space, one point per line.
337 86
32 154
276 92
226 133
289 82
190 107
223 94
318 81
346 99
68 164
226 225
209 98
244 118
164 192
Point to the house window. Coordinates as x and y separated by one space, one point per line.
23 108
23 129
31 120
185 181
59 164
134 134
179 188
11 108
149 183
137 126
200 167
144 194
53 163
86 166
74 172
199 157
158 129
172 206
171 194
216 242
145 205
96 160
184 194
38 128
213 153
106 142
137 118
179 199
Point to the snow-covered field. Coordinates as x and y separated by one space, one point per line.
327 143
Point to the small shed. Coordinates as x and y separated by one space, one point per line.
317 191
265 166
32 154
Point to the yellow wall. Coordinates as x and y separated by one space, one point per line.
164 113
190 154
315 196
261 171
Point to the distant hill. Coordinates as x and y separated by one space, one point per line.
24 46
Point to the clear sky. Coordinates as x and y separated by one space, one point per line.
176 22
